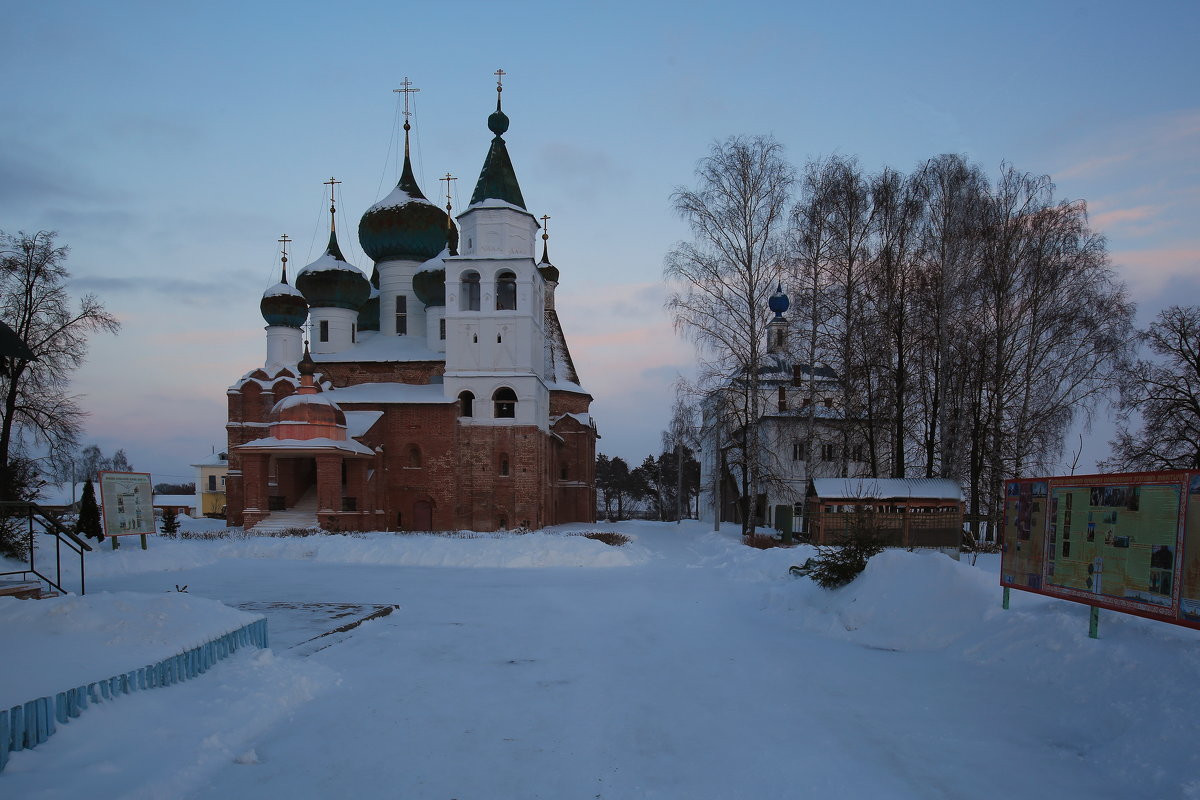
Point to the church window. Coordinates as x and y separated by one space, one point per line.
504 464
827 452
414 456
779 338
442 329
506 291
499 340
324 334
466 404
562 473
505 400
401 315
782 399
799 451
353 333
475 338
469 291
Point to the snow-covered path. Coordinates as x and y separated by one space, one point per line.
701 672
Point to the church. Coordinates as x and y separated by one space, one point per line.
438 394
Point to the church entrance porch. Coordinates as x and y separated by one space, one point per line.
311 487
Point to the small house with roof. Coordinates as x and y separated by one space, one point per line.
439 394
904 512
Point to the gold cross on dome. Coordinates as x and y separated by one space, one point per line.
447 179
406 89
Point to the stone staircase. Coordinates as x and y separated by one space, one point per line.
302 515
25 590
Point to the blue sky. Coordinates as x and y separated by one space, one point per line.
171 144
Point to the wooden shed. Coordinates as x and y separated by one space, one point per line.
906 512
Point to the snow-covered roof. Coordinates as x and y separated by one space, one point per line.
213 460
390 393
320 443
328 262
359 422
397 198
383 348
585 420
887 488
282 289
293 400
492 202
174 500
435 263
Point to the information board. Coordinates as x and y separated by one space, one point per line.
127 503
1127 542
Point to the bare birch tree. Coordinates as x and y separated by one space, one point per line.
721 281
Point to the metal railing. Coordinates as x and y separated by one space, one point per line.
50 526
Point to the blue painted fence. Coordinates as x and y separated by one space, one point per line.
27 725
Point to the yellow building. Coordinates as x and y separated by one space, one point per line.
210 485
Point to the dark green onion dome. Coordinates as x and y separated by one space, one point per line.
368 315
498 179
283 305
429 282
332 282
404 225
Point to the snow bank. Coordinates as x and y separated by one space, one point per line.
386 549
903 601
63 642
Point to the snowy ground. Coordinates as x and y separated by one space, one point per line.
682 665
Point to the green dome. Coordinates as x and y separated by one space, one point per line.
403 225
430 287
368 315
332 282
283 305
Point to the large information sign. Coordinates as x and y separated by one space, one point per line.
127 501
1127 542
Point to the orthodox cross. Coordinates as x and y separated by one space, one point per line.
447 179
331 183
545 226
406 89
499 79
284 241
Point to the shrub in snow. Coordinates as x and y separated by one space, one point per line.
761 541
837 565
609 538
89 514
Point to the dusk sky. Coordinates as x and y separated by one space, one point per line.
170 144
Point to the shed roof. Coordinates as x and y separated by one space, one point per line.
887 488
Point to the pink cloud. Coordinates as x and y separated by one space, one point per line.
1148 271
1124 216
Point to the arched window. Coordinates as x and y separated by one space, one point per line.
469 291
414 456
506 291
505 400
466 404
